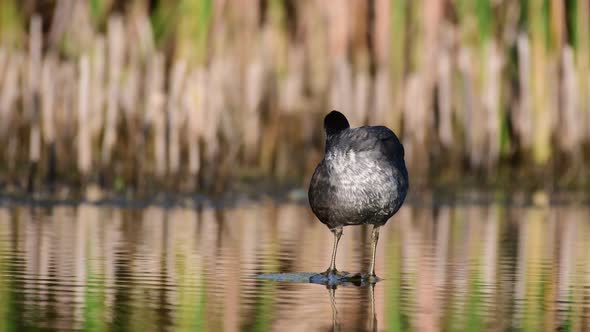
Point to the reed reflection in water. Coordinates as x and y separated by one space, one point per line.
453 268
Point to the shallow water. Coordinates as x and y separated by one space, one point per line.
484 267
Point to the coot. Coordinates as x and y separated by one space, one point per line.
361 180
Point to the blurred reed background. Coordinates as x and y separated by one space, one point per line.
191 93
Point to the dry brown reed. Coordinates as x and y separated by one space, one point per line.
240 89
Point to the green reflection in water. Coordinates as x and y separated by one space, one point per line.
396 320
12 316
193 304
6 323
266 298
533 307
94 301
474 305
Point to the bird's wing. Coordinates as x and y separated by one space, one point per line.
377 139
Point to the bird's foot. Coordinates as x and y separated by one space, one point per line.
330 277
334 273
335 278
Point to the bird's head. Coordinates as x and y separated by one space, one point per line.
334 123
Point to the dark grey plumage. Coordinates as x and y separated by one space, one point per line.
361 180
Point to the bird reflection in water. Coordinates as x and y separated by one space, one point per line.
332 284
372 326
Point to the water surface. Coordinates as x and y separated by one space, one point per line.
466 267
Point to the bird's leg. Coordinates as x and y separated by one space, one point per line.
374 239
337 233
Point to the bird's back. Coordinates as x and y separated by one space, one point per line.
362 178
